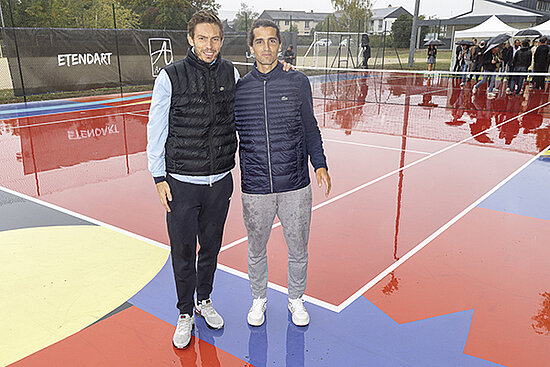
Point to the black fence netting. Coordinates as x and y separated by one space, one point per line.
43 60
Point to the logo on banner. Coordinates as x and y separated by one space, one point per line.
97 58
160 51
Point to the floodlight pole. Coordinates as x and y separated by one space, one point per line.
414 30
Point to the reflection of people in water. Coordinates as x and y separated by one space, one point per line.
482 121
543 138
349 100
510 124
533 120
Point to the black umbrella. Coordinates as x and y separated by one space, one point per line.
465 42
497 41
501 38
528 32
434 42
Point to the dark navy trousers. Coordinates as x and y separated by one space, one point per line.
197 211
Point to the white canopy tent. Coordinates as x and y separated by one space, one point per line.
490 28
543 28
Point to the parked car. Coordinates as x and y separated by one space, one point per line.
344 42
323 42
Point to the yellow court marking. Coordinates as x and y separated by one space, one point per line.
56 281
546 154
136 103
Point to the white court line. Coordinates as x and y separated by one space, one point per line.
236 272
227 269
424 243
375 146
358 188
281 289
74 119
86 218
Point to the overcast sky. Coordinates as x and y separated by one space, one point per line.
438 8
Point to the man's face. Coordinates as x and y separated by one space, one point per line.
266 45
207 41
516 43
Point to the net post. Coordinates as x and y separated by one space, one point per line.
384 46
328 38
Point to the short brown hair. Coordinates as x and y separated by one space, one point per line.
203 16
262 23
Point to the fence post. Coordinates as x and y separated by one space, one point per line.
17 53
117 52
121 95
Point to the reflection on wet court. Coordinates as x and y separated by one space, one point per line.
431 251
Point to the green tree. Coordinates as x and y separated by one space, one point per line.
401 31
244 17
167 14
350 16
68 14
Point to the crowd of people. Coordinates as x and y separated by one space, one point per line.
518 57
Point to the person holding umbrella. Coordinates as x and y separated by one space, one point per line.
432 55
489 60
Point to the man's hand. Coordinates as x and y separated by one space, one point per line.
165 195
323 176
287 66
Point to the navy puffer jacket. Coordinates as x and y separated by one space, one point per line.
277 131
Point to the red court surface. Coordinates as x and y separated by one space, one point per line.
410 157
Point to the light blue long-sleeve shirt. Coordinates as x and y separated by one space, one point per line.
157 133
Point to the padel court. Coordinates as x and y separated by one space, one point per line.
432 249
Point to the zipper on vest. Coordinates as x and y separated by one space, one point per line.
267 137
212 116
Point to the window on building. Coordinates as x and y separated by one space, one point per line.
380 24
306 26
287 22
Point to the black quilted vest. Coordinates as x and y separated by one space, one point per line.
201 132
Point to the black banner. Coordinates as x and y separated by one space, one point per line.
67 59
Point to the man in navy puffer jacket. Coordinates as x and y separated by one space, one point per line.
277 133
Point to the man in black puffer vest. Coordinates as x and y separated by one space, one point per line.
191 145
278 132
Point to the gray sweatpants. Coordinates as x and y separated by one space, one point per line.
294 211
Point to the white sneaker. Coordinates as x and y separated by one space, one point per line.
206 310
300 317
491 95
256 314
182 335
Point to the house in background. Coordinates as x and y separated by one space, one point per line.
383 18
304 21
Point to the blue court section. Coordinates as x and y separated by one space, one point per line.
360 335
526 194
38 108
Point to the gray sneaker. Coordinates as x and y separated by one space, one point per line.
206 310
182 336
